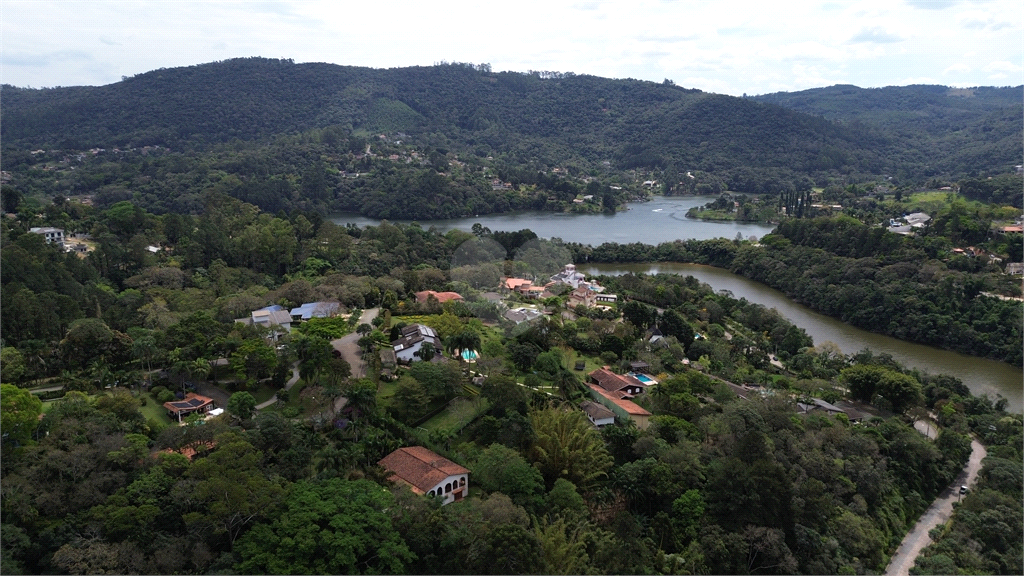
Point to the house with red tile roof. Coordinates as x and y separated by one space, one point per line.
624 409
620 385
442 297
427 473
192 402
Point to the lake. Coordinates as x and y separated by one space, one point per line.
664 220
660 220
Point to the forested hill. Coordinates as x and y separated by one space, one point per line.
967 128
530 119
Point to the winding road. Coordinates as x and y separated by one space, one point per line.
348 347
940 510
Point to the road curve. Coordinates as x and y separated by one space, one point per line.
348 345
938 513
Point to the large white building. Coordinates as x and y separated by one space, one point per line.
407 348
428 473
52 235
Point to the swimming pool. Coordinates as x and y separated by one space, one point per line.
469 355
643 378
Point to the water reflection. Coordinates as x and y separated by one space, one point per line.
980 375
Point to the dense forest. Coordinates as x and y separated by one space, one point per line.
718 483
285 135
195 196
906 287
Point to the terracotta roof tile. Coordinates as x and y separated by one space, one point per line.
420 468
631 408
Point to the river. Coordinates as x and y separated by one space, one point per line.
664 220
980 375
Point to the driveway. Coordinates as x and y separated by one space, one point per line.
287 386
348 345
938 513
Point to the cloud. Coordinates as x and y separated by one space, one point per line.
927 80
1002 66
109 42
983 21
931 4
876 35
666 39
958 68
45 60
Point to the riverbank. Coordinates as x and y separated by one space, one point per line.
982 376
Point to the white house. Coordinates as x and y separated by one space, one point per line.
597 414
407 348
274 317
569 276
52 235
427 473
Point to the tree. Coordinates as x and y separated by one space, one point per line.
334 527
639 314
242 405
567 446
91 340
427 352
409 399
901 390
440 381
501 469
229 490
564 546
254 359
505 395
19 415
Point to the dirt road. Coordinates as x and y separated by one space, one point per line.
938 513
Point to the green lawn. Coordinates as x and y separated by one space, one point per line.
154 410
265 392
592 363
461 412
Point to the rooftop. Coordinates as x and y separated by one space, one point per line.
420 468
631 408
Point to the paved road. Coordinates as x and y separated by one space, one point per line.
349 348
938 513
348 345
287 386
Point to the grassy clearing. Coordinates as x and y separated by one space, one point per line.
592 363
154 410
265 392
460 412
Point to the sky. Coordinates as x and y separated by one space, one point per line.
727 47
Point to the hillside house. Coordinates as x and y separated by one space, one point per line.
275 317
598 415
520 315
427 473
191 403
621 386
407 348
441 297
569 276
315 310
52 235
582 296
624 409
